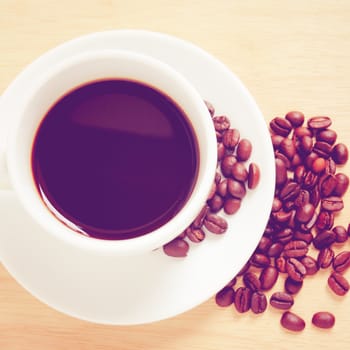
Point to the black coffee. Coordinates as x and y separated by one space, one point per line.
116 158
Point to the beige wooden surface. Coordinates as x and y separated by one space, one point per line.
290 54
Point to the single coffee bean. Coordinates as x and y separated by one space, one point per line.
227 164
323 149
295 269
281 216
307 237
258 302
302 198
292 322
215 223
276 204
342 185
291 286
302 131
221 151
325 258
310 180
299 174
210 107
177 248
275 250
296 161
315 196
281 172
305 145
325 220
319 123
340 153
260 260
264 245
332 203
244 150
236 188
290 191
215 203
305 213
242 301
281 126
323 319
232 205
296 249
286 161
195 235
225 297
324 239
338 283
342 261
281 263
287 147
295 118
289 205
310 264
276 141
309 159
341 235
239 172
221 123
268 277
221 188
230 138
199 220
318 165
331 166
327 135
253 176
327 185
284 236
281 300
251 281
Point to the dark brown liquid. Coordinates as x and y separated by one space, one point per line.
116 158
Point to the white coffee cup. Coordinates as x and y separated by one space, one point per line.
15 159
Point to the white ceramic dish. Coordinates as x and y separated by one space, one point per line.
149 287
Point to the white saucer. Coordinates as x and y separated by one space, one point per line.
150 287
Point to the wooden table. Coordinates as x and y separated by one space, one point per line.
290 54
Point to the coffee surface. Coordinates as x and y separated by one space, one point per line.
115 159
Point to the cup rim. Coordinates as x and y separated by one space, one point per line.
149 241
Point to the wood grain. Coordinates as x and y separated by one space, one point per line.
290 55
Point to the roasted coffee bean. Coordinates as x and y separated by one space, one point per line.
199 220
310 264
227 164
264 245
286 161
195 235
324 239
287 147
230 138
319 123
319 165
291 286
232 205
302 198
221 123
212 191
323 319
281 126
302 131
215 203
295 269
221 151
299 174
236 188
242 301
210 107
215 223
310 180
232 283
305 145
332 203
338 283
281 172
342 185
284 236
305 212
268 277
289 205
275 249
327 135
341 235
325 220
327 185
221 188
296 249
276 141
315 196
342 261
276 204
296 161
309 159
258 302
281 300
260 260
325 258
290 191
340 153
251 281
239 172
295 118
281 216
281 263
244 150
225 297
253 176
292 322
177 248
323 149
307 237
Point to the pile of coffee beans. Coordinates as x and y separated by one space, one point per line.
233 178
308 197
